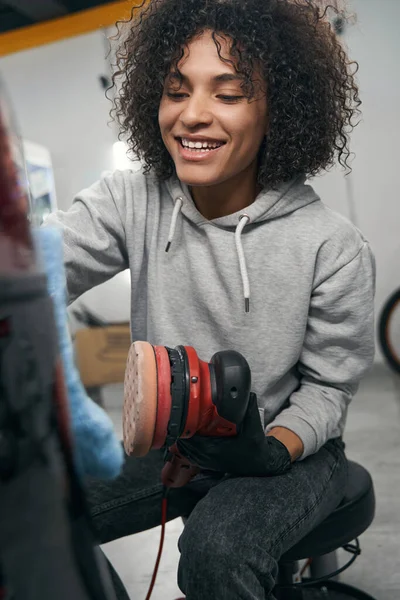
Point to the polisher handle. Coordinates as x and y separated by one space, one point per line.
177 471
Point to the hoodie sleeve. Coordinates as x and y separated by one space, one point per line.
338 349
94 235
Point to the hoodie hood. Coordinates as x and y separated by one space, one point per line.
268 205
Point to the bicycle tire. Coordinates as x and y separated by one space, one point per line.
390 354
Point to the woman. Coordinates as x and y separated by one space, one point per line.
232 105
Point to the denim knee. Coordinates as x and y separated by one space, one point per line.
202 548
217 537
217 563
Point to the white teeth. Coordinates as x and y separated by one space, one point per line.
200 145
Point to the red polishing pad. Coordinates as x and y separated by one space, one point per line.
140 399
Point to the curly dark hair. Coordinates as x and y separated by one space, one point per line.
312 95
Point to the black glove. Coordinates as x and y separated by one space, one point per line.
249 454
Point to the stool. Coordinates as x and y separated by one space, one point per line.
352 517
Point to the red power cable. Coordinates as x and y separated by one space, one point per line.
160 549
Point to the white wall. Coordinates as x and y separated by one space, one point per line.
374 41
59 103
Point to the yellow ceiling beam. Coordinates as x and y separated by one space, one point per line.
65 27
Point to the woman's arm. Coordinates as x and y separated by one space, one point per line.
338 349
93 234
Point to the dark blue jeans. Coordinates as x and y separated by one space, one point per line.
237 528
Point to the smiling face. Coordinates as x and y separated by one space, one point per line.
212 131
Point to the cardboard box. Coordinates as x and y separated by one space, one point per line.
101 354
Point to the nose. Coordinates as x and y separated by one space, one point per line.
196 112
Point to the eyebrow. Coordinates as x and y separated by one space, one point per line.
227 77
222 78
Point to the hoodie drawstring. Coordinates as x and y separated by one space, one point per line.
243 221
175 215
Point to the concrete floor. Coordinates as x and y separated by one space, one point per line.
373 439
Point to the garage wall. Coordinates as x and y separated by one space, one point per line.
371 195
60 103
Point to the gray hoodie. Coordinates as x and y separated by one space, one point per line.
306 274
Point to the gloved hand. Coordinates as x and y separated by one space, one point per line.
249 454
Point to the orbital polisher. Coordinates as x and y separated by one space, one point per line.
171 394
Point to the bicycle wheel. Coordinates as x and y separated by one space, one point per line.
389 331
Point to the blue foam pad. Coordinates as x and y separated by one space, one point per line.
98 451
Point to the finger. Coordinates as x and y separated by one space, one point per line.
193 451
196 456
201 445
202 448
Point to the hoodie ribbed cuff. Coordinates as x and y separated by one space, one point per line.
301 428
